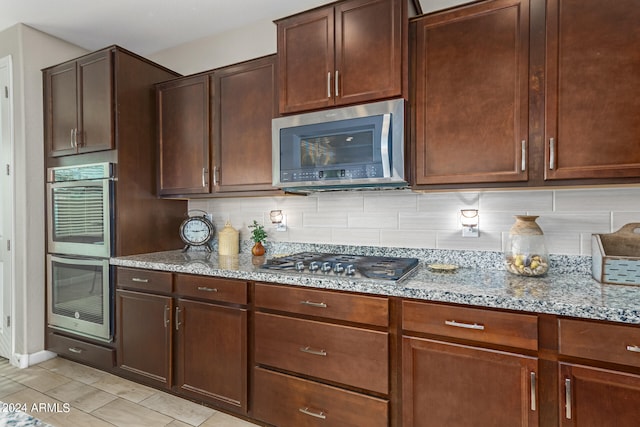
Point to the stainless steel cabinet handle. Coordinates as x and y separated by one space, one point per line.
567 398
633 348
178 319
318 414
206 289
71 139
329 84
309 350
75 350
464 325
139 280
166 316
337 90
533 391
215 176
552 153
204 178
314 304
524 155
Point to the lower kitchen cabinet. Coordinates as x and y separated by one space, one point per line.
289 401
184 332
211 352
593 397
144 335
448 384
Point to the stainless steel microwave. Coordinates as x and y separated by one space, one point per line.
350 147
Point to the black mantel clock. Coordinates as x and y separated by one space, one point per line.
197 230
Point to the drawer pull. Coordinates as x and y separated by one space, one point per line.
139 280
309 350
464 325
314 304
318 414
206 289
567 398
633 348
75 350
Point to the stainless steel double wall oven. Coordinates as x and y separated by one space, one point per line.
80 218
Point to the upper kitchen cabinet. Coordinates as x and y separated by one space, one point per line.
470 94
183 136
350 52
215 131
593 82
79 105
244 103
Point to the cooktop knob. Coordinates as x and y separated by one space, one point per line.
326 267
338 268
313 266
351 270
299 266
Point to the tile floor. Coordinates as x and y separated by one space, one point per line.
100 399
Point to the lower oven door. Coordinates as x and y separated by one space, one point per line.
79 296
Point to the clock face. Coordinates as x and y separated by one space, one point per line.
196 231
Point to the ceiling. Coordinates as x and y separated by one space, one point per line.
142 26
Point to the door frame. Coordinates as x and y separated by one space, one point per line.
7 163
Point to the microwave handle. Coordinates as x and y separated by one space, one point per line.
384 145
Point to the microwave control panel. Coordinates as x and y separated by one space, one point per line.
352 172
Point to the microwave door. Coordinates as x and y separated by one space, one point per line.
384 146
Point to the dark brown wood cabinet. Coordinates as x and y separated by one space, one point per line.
214 131
446 382
471 94
349 52
196 329
599 374
320 369
592 103
78 98
593 397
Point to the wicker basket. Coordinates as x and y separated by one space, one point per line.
616 256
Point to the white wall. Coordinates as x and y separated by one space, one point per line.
31 51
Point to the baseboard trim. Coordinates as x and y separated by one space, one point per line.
25 360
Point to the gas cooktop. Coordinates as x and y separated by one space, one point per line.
337 265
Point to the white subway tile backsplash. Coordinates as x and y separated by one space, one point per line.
401 218
517 201
408 239
605 199
377 220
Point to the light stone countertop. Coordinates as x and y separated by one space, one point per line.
573 293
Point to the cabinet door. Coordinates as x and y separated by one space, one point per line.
245 103
471 114
454 385
183 136
369 43
61 109
306 61
95 115
144 335
593 397
211 354
592 89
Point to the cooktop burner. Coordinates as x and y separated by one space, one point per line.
358 266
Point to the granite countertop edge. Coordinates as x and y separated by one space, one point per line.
575 295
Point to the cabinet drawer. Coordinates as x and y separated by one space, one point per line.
91 354
600 341
144 280
287 401
212 289
331 305
487 326
347 355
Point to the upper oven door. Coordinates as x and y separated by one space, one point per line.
79 217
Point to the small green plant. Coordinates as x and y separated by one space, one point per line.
257 233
